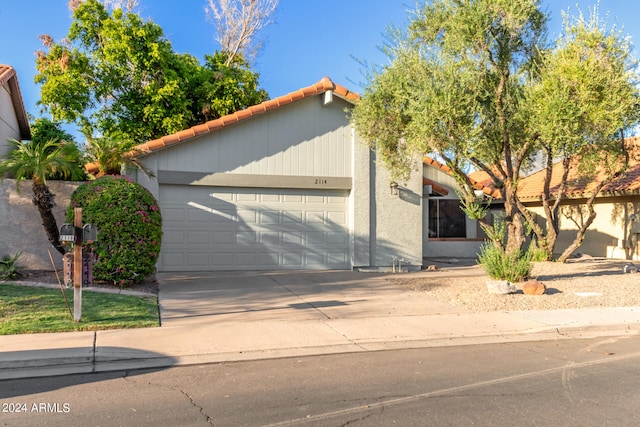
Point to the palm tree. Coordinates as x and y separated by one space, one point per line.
110 156
39 161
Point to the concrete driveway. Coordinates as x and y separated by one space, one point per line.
218 297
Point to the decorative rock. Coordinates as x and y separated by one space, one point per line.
500 287
630 268
432 267
534 287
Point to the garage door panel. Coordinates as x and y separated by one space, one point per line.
198 237
270 238
172 259
292 259
289 238
292 216
221 259
315 238
246 259
293 198
208 228
173 215
226 237
247 216
315 259
337 258
246 237
339 218
336 239
197 259
269 259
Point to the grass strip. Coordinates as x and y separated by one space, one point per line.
28 310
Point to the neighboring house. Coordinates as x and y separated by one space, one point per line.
614 233
20 224
286 184
13 116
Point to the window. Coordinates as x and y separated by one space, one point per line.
446 219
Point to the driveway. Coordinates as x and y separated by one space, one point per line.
218 297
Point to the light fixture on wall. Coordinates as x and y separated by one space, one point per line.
394 188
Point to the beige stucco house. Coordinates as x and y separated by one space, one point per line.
616 229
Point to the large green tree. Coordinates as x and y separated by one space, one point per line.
460 85
116 74
581 102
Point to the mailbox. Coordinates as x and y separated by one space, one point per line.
67 233
89 233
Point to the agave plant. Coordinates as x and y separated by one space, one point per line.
9 268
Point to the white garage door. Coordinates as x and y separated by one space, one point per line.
219 228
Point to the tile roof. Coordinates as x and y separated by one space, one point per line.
322 86
9 77
485 187
531 187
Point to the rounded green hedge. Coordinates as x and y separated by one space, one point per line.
129 228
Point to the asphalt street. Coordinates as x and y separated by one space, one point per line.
556 382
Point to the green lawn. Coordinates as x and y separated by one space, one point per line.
26 309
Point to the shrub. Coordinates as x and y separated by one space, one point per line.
499 265
9 268
129 228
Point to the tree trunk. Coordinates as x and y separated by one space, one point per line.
43 198
513 218
582 228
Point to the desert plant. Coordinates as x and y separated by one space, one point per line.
129 228
9 268
539 254
39 161
501 265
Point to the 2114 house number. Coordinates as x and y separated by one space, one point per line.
322 181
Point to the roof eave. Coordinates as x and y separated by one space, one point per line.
322 86
10 78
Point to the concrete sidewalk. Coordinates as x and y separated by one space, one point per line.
233 316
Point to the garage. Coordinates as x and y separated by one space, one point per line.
285 184
231 228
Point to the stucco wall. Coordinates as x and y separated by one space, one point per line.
397 232
21 227
611 234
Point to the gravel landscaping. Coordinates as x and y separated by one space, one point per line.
579 283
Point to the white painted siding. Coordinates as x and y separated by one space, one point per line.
305 138
9 127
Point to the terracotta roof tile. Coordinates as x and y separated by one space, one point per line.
437 188
484 187
531 187
6 72
200 129
324 85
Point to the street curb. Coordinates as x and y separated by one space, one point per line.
56 366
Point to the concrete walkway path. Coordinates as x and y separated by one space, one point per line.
233 316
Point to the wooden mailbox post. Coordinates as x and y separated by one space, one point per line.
78 234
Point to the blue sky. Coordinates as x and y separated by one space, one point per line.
310 39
